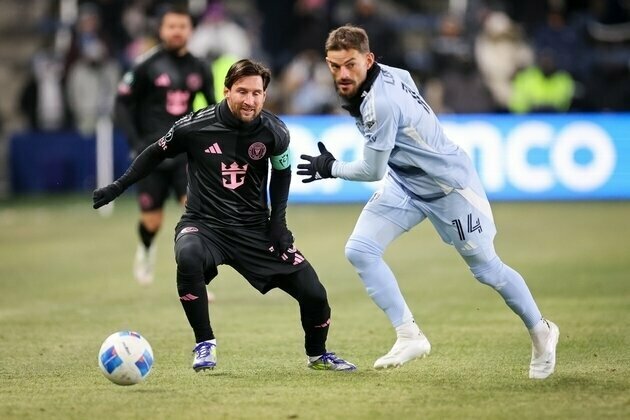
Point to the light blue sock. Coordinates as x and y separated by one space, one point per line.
379 280
510 285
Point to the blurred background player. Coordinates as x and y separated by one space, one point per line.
167 84
227 219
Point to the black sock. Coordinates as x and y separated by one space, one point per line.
305 287
145 235
315 337
194 299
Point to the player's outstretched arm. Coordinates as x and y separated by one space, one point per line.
142 166
317 167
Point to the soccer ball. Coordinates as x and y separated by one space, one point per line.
125 358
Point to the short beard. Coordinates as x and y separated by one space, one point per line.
343 95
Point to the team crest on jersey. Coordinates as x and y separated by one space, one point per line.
257 151
193 81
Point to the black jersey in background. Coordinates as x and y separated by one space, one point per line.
158 91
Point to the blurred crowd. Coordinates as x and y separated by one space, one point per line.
467 56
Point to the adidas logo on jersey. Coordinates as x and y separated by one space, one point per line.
214 149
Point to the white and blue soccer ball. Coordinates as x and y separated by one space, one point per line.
125 358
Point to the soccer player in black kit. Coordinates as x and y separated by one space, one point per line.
227 219
167 84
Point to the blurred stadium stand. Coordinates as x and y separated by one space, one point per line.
464 54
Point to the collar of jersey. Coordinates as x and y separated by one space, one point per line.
227 118
353 105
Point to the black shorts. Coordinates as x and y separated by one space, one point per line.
244 249
154 189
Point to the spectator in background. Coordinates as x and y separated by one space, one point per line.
562 41
311 23
136 24
276 31
291 26
500 51
220 41
306 85
91 86
217 35
463 90
384 40
458 86
88 29
542 87
42 99
111 24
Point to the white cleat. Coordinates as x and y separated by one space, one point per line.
144 264
544 360
403 351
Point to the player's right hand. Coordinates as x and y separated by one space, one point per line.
106 194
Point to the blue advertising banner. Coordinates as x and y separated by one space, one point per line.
534 157
540 157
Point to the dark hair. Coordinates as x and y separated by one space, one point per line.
244 68
176 9
348 37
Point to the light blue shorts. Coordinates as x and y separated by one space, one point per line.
462 218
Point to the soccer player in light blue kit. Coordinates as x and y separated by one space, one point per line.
426 176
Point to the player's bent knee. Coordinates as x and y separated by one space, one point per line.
487 272
189 254
361 254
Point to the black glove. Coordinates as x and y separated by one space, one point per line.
282 245
281 239
106 194
318 167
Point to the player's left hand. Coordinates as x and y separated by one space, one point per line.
282 244
281 238
318 167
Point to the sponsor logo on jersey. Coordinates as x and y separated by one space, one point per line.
257 151
177 101
233 175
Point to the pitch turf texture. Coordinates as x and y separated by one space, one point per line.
65 285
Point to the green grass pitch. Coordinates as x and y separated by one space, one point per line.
65 285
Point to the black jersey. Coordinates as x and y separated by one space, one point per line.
158 91
228 164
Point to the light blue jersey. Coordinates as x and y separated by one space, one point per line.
429 177
394 117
